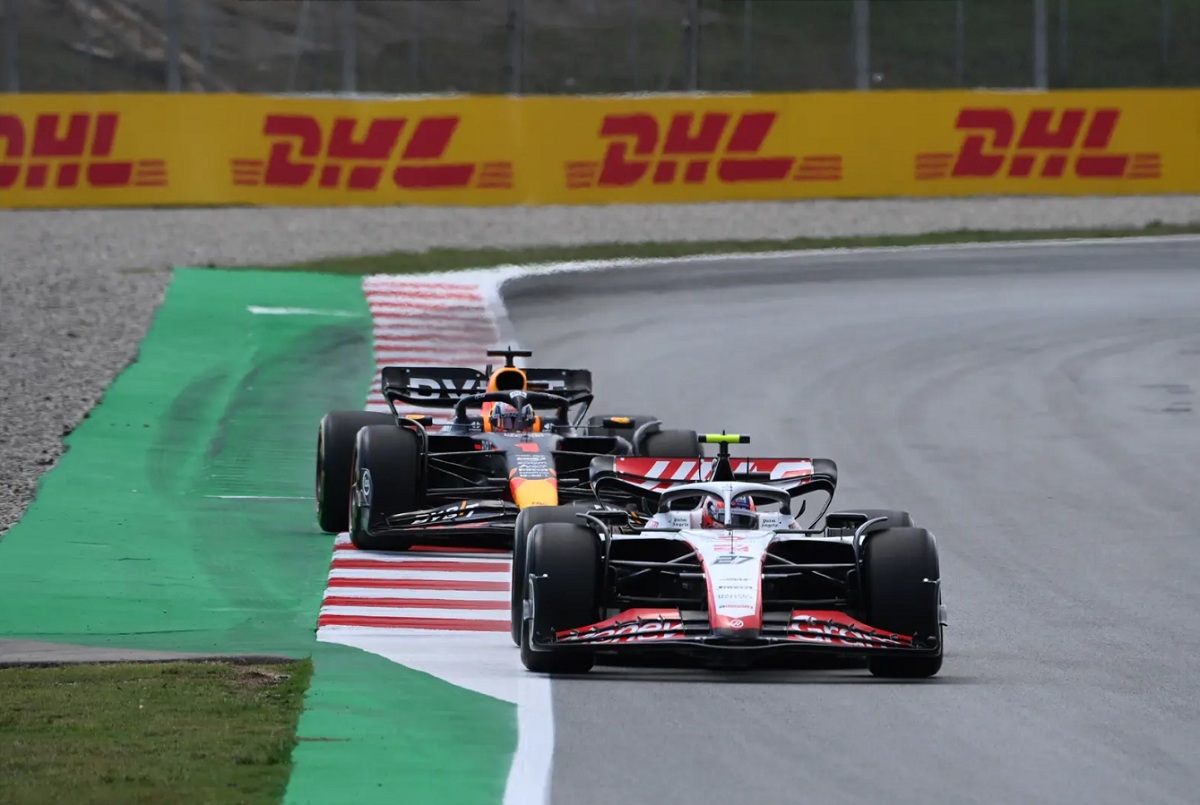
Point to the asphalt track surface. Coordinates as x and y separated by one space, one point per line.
1036 408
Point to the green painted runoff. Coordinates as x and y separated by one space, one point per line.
180 518
126 543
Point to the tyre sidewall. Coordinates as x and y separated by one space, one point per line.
568 597
896 564
671 444
336 438
527 520
386 481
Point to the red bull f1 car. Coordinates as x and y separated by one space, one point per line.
723 570
519 439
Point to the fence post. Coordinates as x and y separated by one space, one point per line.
862 44
174 81
1064 32
11 56
349 46
414 47
205 40
89 39
1040 80
631 46
960 42
1164 36
747 44
516 45
691 46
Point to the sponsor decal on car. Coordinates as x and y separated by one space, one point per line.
839 629
630 633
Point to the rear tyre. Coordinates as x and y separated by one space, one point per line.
386 481
845 525
567 598
895 519
671 444
335 454
526 520
595 425
896 563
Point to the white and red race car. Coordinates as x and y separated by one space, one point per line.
752 583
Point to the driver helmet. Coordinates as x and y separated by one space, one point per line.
743 515
512 417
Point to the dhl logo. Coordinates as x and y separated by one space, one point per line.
1075 138
638 149
355 155
76 148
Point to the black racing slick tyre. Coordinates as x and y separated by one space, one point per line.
671 444
526 520
895 519
568 597
335 453
387 461
903 595
595 425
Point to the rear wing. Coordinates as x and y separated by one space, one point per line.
629 477
444 386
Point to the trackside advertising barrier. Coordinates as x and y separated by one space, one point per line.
99 150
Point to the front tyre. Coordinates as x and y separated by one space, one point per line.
567 598
903 595
387 461
526 520
335 453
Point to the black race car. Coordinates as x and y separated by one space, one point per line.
394 480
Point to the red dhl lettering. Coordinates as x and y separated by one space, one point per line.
638 150
1077 139
355 154
74 148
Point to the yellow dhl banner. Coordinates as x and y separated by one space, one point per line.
88 150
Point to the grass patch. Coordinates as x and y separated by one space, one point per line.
455 259
149 733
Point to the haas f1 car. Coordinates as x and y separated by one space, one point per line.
519 439
723 571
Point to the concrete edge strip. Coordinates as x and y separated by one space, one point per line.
493 279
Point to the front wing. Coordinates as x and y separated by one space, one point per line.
453 522
813 631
